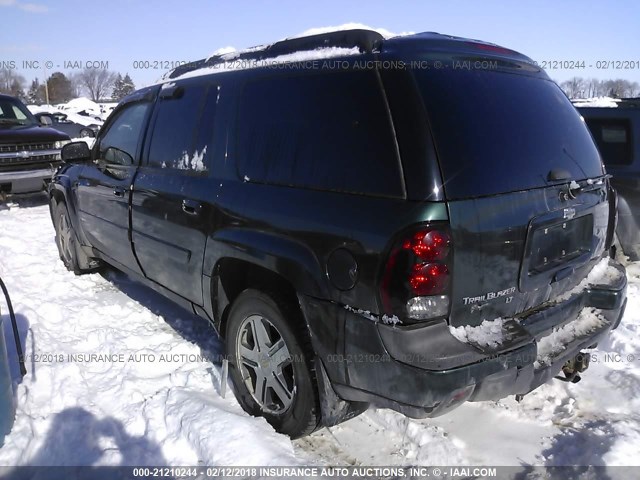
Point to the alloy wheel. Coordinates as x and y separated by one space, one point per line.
265 364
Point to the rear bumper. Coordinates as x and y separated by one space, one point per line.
25 181
425 371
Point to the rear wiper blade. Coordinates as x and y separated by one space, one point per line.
574 189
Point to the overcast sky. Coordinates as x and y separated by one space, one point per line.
127 34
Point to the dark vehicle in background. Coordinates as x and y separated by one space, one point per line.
60 122
349 226
29 151
617 133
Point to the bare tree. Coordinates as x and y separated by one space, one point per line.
619 88
76 84
10 81
574 87
593 88
97 82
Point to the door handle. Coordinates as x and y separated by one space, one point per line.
118 192
191 207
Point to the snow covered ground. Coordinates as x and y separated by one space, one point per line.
96 113
118 375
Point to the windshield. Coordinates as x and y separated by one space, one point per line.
14 113
498 132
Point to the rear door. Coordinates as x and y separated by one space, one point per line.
170 212
527 198
104 186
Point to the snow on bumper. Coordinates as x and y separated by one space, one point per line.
424 370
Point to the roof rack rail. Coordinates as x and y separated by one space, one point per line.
365 40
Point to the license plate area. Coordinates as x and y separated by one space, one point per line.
553 246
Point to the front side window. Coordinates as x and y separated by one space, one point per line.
120 143
327 131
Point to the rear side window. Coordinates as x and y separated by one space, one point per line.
175 130
613 137
498 132
328 131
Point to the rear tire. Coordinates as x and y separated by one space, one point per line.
270 363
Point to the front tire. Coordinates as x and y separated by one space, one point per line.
270 364
71 254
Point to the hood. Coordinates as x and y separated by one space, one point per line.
30 134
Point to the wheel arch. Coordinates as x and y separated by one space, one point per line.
236 259
231 276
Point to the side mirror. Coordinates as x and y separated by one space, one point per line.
115 156
75 152
45 120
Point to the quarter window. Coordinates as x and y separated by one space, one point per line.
328 131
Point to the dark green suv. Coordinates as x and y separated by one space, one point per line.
403 222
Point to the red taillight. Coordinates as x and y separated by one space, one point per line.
428 245
429 278
417 274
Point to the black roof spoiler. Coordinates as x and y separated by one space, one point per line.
365 40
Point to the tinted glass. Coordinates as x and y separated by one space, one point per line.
613 137
13 112
327 130
125 131
499 132
174 131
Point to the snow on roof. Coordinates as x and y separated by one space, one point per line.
82 119
42 108
307 33
72 117
223 51
229 64
82 103
230 53
596 102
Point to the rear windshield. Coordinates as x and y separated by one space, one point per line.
498 132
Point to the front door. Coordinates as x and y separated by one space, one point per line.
104 186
